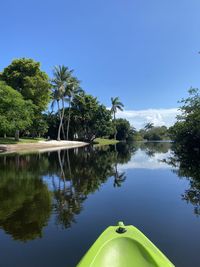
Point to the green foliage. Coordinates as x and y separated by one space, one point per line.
15 112
124 130
25 76
89 119
186 146
84 118
155 133
52 121
39 126
186 131
137 136
102 122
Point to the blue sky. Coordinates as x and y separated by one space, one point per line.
145 52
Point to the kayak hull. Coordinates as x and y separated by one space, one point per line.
130 248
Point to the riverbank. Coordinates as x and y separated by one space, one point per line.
40 146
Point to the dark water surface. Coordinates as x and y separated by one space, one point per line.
54 205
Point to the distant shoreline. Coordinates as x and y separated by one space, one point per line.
41 146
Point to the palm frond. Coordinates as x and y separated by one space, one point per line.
116 105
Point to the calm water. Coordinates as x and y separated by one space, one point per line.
54 205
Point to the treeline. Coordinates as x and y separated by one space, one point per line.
34 105
26 93
153 133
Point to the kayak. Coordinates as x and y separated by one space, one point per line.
124 246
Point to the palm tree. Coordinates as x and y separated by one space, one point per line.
116 105
62 75
148 126
56 97
73 88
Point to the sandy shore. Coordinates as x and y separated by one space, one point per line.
41 146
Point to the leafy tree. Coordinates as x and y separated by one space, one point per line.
53 121
15 112
25 76
89 118
103 122
116 105
186 146
137 136
39 126
186 131
124 130
156 133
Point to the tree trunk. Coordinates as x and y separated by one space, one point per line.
63 132
115 135
59 113
68 121
17 135
59 130
58 136
61 119
5 135
63 114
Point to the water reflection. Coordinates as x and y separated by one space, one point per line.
151 148
25 201
186 163
149 155
33 187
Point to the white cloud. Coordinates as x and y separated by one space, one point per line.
140 160
159 117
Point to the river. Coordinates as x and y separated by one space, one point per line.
54 205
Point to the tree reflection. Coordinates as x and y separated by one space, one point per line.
32 186
25 201
84 173
119 178
186 163
151 148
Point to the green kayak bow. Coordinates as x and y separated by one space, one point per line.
124 246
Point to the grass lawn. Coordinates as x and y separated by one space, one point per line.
11 140
103 141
